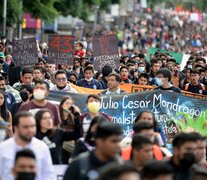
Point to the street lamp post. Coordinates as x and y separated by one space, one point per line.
4 17
95 19
20 21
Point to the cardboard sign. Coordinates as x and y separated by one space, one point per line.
60 49
25 52
105 51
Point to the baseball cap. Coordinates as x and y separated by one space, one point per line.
2 55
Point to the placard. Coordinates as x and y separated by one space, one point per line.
25 52
105 51
60 49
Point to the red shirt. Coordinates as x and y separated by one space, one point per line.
80 53
33 108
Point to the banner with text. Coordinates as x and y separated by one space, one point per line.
105 51
25 52
171 109
60 49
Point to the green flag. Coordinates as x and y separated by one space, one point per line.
177 56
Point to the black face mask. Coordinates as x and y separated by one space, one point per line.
3 89
70 80
25 176
131 72
1 61
188 160
24 95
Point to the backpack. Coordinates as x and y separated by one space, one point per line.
84 164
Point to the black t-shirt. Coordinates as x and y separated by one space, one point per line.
170 89
54 140
85 167
196 89
180 173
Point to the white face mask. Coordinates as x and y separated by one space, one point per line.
89 80
159 81
141 69
39 94
190 66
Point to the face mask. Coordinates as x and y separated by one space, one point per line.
24 95
94 107
3 89
39 94
131 72
26 176
89 80
159 81
190 66
1 61
9 61
141 69
188 160
70 80
65 108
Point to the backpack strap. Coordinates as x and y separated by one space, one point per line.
186 87
203 87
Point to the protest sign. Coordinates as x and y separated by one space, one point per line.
105 51
177 56
170 109
25 52
60 49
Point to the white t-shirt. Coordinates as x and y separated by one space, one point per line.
8 149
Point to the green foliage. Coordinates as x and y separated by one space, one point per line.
42 9
81 8
190 124
13 11
47 10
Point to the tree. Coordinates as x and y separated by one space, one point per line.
13 11
42 9
81 8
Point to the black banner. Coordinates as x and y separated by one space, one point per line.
171 110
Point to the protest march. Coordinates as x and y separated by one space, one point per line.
121 103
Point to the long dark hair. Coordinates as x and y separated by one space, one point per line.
70 114
155 123
38 118
98 119
3 109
